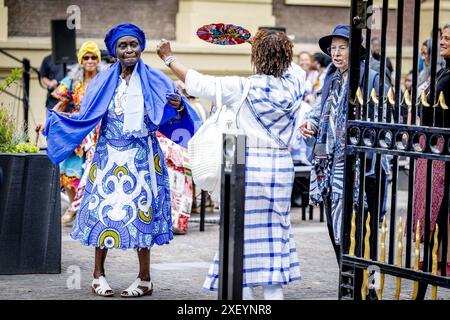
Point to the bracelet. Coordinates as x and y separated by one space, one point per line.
169 60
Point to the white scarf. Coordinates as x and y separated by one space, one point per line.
132 101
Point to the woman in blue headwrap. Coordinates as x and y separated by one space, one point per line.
126 202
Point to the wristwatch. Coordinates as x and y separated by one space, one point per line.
169 60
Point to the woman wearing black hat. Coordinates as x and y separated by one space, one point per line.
326 123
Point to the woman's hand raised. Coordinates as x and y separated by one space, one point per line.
163 49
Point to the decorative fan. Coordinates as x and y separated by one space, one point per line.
223 34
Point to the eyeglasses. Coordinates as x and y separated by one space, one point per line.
93 58
332 49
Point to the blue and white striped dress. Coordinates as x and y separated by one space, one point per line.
270 254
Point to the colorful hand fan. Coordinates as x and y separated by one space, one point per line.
223 34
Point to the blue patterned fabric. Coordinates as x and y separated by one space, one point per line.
270 254
328 118
118 209
327 173
281 99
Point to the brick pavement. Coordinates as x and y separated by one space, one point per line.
179 269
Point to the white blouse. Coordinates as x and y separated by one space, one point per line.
204 86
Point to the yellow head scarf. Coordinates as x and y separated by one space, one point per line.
89 47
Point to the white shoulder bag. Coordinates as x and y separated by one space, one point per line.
205 147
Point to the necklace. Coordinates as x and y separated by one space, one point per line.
119 97
118 109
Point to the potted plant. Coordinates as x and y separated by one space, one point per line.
30 230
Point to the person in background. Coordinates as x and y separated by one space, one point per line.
180 182
374 61
408 82
440 118
51 74
321 63
423 81
70 92
305 62
107 58
375 64
405 116
424 75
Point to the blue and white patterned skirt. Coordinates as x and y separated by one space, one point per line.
270 255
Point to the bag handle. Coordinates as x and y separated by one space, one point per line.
219 106
218 94
241 102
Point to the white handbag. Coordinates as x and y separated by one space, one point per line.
205 147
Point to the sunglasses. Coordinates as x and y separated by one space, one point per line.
93 58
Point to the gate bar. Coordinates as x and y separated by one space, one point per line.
398 75
349 161
381 108
429 188
412 161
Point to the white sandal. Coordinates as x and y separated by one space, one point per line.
101 287
134 290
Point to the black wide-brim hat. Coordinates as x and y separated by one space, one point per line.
341 30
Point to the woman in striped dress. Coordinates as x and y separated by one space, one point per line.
268 103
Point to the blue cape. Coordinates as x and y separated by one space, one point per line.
64 133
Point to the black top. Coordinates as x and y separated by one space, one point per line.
441 116
53 72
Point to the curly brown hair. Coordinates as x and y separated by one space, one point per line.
271 53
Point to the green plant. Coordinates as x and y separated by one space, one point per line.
7 130
15 75
13 140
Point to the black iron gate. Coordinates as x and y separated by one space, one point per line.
390 124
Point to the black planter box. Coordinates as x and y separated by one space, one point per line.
30 215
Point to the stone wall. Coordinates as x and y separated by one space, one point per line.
31 18
309 23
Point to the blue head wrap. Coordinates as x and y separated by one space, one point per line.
122 30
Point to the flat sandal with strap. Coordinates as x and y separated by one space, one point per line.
135 291
101 287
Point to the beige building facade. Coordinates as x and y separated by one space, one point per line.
25 31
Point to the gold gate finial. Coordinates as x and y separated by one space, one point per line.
373 96
391 96
442 101
423 99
